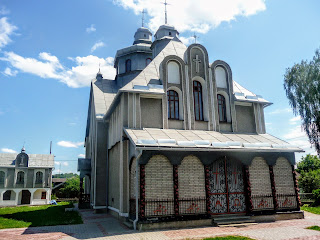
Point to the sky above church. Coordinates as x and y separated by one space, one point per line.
50 51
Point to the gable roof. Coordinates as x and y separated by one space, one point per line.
150 74
148 80
35 160
104 91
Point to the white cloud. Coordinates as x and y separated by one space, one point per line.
8 150
70 144
280 111
4 11
57 163
81 156
91 29
9 72
187 41
295 120
199 16
65 164
49 66
295 133
6 29
97 45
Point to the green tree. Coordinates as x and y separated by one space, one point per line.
302 85
309 169
71 188
308 163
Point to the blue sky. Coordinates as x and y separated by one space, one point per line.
50 50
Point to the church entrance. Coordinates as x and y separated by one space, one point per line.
226 188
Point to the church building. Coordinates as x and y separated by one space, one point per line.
174 137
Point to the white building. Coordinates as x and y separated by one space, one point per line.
25 178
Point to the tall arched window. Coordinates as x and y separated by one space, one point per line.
173 104
39 177
2 177
128 65
148 60
198 104
222 108
20 177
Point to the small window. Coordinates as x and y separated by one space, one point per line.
43 195
20 177
2 177
148 60
39 177
173 105
222 108
198 104
128 65
169 33
145 35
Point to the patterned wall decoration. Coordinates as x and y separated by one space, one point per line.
296 188
159 189
261 193
247 188
192 194
226 187
284 183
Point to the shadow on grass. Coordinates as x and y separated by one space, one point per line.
30 216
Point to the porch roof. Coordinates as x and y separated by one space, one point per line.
206 140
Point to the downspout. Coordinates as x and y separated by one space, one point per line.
137 191
107 175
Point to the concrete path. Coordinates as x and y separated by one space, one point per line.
104 226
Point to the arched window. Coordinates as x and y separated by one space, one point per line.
173 72
198 104
39 177
222 108
2 177
20 177
173 104
148 60
128 65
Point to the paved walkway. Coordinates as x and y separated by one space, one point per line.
104 226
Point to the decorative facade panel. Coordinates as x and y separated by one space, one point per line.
192 194
285 189
159 193
260 185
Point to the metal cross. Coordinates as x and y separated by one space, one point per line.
143 12
165 11
216 173
197 61
235 175
195 37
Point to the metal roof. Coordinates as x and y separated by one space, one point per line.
35 160
153 137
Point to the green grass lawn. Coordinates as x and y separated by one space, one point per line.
317 228
315 210
229 238
34 216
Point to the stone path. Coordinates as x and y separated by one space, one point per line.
106 227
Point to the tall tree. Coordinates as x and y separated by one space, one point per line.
302 85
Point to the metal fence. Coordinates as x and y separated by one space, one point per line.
306 198
287 201
159 207
192 206
262 202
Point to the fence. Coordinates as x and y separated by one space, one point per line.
262 202
287 201
306 198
